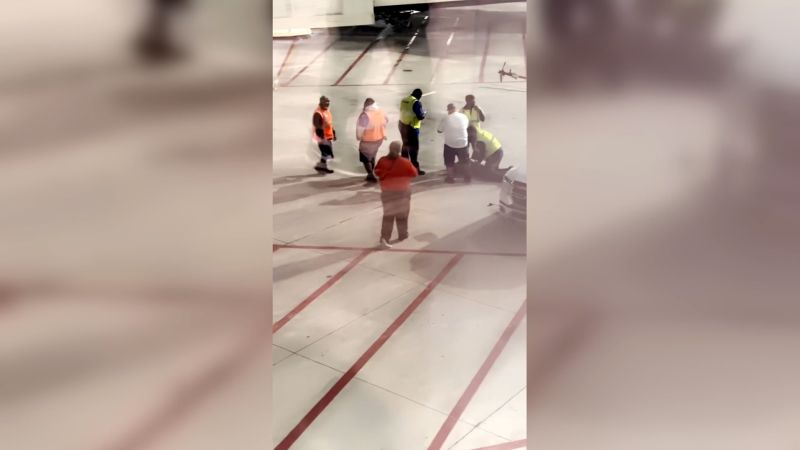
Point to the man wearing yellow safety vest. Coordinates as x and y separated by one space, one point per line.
411 115
488 148
475 115
370 132
323 134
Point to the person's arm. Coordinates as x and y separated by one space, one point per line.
480 114
318 124
410 171
419 111
363 123
380 168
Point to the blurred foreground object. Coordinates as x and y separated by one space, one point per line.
157 41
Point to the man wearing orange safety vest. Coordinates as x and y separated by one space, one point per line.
370 132
323 133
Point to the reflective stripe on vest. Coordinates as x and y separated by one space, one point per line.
327 124
492 143
376 130
407 115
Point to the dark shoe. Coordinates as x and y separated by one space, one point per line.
449 180
371 179
402 237
421 172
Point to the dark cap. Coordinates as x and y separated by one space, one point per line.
417 93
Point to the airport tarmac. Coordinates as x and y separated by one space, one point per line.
421 346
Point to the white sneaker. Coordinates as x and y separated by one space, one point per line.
385 243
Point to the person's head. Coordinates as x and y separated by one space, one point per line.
368 102
394 149
470 100
417 93
451 108
324 102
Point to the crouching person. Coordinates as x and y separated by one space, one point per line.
395 174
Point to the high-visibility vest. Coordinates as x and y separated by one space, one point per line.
376 130
407 115
473 115
492 143
327 124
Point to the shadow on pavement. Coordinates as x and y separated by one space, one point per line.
363 192
493 234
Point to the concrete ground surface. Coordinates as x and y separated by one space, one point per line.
422 346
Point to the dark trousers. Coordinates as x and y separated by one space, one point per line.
396 206
325 152
472 140
410 138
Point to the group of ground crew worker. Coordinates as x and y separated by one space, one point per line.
461 130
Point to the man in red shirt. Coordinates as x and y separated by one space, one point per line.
395 174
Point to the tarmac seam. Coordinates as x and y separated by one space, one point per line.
334 391
319 291
478 379
404 250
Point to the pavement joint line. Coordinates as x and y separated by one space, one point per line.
500 407
320 290
286 58
311 358
507 445
333 41
403 250
357 318
477 426
334 391
402 55
353 64
477 380
385 389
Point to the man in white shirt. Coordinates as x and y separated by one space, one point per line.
454 127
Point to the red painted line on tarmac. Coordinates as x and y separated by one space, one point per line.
326 400
311 62
507 445
314 295
394 68
402 55
473 386
353 64
286 58
403 250
275 248
190 395
485 51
